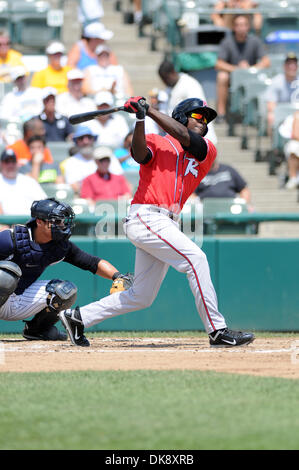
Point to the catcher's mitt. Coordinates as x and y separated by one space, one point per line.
122 282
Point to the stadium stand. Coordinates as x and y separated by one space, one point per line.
226 207
170 27
62 192
32 24
59 150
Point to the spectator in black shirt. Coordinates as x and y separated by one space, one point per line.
223 181
30 249
238 50
57 126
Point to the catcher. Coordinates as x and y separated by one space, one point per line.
26 251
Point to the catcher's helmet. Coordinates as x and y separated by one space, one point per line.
182 111
60 215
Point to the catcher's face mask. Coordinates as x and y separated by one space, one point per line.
61 228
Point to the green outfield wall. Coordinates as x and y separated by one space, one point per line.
256 281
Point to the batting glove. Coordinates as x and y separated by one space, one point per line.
138 106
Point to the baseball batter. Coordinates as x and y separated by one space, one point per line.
171 167
25 252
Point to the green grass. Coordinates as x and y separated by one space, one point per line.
147 410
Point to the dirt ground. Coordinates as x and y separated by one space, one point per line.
275 356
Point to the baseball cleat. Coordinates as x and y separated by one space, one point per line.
228 338
72 321
51 334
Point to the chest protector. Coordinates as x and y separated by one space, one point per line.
33 258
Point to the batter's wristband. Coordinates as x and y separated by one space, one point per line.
140 120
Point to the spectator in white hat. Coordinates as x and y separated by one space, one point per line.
106 76
57 126
104 184
81 164
23 101
55 74
73 101
111 129
82 53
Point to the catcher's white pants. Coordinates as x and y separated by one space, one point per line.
20 307
159 244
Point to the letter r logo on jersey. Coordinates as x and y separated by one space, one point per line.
191 167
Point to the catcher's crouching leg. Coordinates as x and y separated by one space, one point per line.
62 295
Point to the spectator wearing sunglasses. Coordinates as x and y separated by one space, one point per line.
81 164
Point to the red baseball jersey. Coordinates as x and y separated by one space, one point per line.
172 174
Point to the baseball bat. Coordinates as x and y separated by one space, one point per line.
82 117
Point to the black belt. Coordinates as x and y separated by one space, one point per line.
169 214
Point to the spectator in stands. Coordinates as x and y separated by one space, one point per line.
17 191
90 11
238 50
158 99
81 164
106 76
226 20
37 168
31 127
123 154
73 101
9 58
284 88
103 184
223 181
57 126
82 53
181 86
55 74
111 129
138 15
23 101
289 129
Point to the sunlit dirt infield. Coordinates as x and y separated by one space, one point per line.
273 356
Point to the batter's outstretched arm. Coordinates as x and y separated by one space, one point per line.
138 105
140 152
139 147
170 125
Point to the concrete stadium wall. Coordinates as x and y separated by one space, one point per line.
255 280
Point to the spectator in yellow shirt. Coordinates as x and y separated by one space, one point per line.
9 58
55 74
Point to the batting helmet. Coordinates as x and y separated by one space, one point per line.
182 111
60 215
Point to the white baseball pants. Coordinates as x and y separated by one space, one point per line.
159 244
20 307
